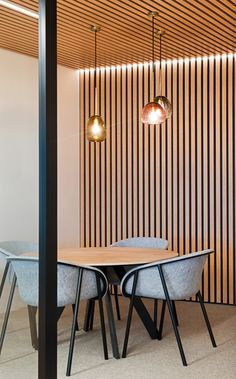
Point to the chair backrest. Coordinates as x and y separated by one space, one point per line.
149 242
27 274
182 276
17 247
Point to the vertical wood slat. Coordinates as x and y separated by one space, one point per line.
230 173
92 172
97 174
119 155
211 174
82 161
87 165
134 142
176 180
205 173
141 149
103 165
113 128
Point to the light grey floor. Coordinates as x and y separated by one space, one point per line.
146 358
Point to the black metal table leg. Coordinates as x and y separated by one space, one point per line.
146 318
112 326
87 317
140 308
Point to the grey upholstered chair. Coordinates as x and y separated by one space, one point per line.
172 279
143 242
7 249
74 283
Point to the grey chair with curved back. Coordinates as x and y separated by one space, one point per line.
74 283
142 242
13 248
8 249
174 279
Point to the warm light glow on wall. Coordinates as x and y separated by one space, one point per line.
169 61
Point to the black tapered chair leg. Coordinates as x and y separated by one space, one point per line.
131 306
175 312
77 325
4 277
101 312
155 312
163 309
7 313
87 315
172 316
117 302
33 325
206 320
175 327
91 318
73 328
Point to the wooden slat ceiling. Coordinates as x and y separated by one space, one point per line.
193 28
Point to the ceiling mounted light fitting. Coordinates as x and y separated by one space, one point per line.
95 128
153 113
163 101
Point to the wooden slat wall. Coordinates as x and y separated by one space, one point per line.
175 181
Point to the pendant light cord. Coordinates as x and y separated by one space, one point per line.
95 74
95 54
153 55
160 81
153 26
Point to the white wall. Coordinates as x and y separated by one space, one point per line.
19 150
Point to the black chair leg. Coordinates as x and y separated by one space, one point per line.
91 318
206 320
7 313
175 313
131 306
101 311
155 312
73 328
4 277
162 319
117 302
33 326
87 317
77 325
172 316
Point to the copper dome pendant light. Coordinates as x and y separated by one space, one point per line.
163 101
95 129
153 113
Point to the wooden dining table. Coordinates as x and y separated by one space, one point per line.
117 257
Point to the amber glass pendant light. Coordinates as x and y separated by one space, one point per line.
95 128
153 113
163 101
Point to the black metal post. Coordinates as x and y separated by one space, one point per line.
47 367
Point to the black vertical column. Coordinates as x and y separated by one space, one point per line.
47 190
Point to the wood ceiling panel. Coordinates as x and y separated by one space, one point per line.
193 28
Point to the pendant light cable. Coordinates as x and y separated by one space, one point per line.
95 29
95 129
153 53
160 78
152 112
95 55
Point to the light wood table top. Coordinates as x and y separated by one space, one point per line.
113 256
